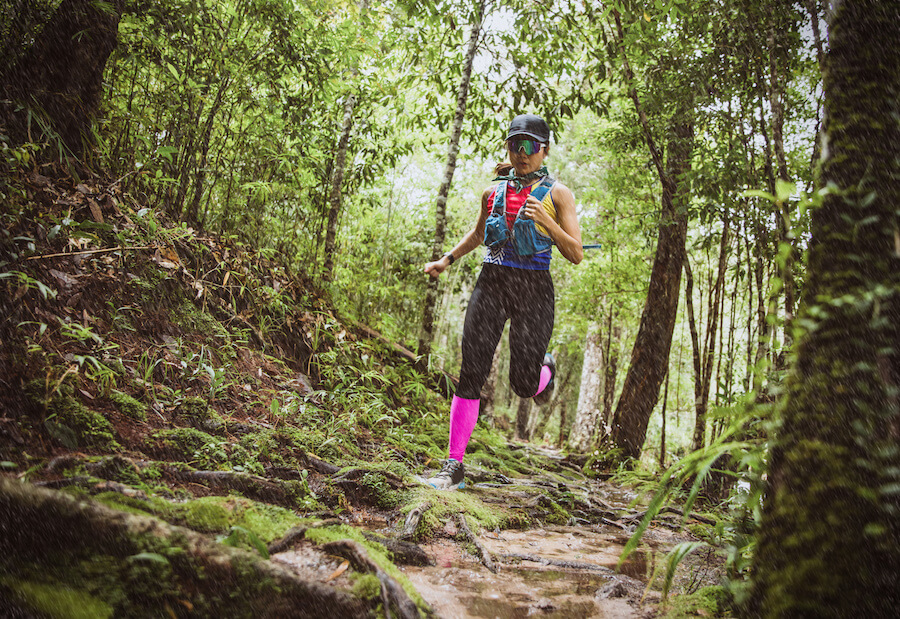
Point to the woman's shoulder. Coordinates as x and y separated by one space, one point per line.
560 191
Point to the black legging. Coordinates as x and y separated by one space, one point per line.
504 293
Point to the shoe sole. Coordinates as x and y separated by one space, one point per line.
461 485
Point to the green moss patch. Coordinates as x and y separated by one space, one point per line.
127 405
376 552
57 601
213 514
445 505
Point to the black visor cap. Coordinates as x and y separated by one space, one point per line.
531 126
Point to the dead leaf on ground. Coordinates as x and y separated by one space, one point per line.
96 213
167 258
340 570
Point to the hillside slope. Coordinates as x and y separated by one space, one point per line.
178 409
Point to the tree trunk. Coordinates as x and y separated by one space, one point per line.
523 419
696 353
588 414
650 355
613 344
437 247
705 356
828 538
489 391
337 180
60 76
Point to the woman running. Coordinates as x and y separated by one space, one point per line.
531 210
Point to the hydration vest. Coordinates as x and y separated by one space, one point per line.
524 236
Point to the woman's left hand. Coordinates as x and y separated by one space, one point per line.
535 210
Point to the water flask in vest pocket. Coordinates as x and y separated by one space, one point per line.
496 233
528 240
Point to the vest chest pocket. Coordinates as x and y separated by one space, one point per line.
528 240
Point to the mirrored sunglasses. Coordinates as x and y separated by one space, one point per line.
529 147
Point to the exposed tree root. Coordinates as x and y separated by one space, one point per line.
412 521
394 596
43 527
298 533
251 486
404 553
483 552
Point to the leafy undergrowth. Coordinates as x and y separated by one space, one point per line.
176 376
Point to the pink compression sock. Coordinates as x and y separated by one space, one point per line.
463 415
545 378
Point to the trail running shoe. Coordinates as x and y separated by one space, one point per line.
451 476
544 396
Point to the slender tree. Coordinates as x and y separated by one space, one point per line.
590 395
437 246
828 544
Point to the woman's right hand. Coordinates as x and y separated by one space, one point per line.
437 267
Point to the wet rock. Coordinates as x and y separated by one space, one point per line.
543 605
612 589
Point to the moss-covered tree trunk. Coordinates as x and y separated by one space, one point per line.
127 565
60 77
830 539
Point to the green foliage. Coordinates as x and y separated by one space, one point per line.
193 446
707 602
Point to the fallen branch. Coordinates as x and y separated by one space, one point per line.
674 510
575 565
251 486
90 251
483 552
391 591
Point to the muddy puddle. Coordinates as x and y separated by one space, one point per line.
550 572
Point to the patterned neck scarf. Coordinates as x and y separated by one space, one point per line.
520 181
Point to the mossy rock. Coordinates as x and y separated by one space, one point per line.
75 425
68 420
445 505
129 406
194 411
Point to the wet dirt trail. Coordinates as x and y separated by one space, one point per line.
548 571
551 571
